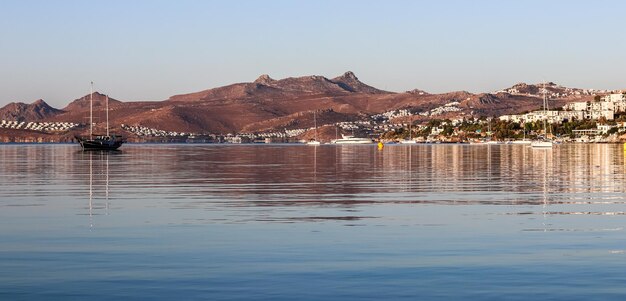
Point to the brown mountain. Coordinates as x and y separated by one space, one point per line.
99 101
266 88
267 104
350 82
27 112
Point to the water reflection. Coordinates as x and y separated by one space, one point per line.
213 177
98 183
264 222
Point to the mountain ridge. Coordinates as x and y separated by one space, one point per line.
273 104
20 111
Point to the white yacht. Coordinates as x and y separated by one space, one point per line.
352 140
541 144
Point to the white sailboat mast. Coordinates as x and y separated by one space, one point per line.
315 123
107 109
411 128
545 111
91 111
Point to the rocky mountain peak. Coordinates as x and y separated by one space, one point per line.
40 102
349 82
350 75
418 92
19 111
83 102
264 79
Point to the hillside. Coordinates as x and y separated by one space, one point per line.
37 110
99 102
268 104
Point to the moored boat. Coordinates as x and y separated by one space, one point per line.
523 142
314 141
352 140
543 143
99 142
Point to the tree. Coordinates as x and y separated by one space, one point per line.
447 130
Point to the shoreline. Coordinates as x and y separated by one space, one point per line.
389 143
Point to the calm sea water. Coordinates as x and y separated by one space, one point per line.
295 222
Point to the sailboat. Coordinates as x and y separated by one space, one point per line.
524 140
99 142
315 141
492 139
410 140
543 143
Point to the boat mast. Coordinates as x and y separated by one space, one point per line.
91 111
545 112
315 123
107 109
410 128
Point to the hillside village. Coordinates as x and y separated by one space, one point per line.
601 120
583 115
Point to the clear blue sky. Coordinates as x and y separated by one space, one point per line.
150 50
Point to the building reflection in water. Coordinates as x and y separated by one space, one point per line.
568 179
516 174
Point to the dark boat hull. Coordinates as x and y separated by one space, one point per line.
100 144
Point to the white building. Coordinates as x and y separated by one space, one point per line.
614 97
549 116
575 106
571 115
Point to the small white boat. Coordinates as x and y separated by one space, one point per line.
314 141
410 140
493 142
542 144
352 140
485 142
523 142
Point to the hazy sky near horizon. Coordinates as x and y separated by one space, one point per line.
150 50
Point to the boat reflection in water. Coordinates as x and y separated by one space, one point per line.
101 172
284 222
